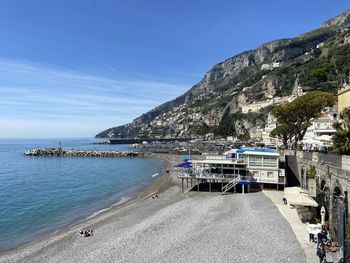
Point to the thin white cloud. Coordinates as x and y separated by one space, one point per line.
37 94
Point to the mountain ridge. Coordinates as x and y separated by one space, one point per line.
245 78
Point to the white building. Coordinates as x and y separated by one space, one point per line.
321 130
270 125
256 106
266 67
237 167
270 66
256 134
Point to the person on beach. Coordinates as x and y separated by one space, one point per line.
85 233
321 252
284 199
155 196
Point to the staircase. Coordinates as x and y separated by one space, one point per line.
230 184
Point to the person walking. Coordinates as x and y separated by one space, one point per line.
321 253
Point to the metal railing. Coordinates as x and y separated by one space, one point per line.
203 175
231 184
220 157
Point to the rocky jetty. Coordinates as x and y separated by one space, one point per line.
104 142
80 153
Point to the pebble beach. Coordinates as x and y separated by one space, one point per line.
176 227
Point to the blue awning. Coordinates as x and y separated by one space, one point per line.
244 182
256 150
184 165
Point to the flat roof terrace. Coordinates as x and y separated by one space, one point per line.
260 152
219 161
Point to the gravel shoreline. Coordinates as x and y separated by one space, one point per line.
196 227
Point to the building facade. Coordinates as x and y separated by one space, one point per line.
343 98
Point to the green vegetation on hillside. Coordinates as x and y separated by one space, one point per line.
322 68
227 126
294 118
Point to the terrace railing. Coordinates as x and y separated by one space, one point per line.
204 175
221 157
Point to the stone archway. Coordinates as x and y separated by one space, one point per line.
338 213
337 190
323 199
323 185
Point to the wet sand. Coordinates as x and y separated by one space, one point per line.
176 227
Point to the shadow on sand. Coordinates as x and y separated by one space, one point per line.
216 187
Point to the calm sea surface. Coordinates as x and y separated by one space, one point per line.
39 195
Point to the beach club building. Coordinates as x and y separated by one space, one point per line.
236 168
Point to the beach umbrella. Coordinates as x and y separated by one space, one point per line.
310 141
185 157
294 190
185 164
299 196
301 200
326 138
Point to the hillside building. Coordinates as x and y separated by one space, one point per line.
343 98
321 130
270 125
256 106
256 134
212 121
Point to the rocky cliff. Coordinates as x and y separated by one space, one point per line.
311 60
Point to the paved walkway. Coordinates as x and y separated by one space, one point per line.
298 227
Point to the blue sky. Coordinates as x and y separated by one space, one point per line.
72 68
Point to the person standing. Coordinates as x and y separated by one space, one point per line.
321 252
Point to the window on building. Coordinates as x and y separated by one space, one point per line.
228 171
269 174
243 157
255 174
255 160
270 161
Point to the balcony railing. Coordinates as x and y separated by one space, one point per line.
202 175
215 157
220 158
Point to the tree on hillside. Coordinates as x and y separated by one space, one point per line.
227 126
297 115
341 140
283 133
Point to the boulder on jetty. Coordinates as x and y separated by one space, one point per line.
80 153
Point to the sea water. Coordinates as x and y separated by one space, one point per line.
39 195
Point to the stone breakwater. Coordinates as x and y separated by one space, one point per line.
80 153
